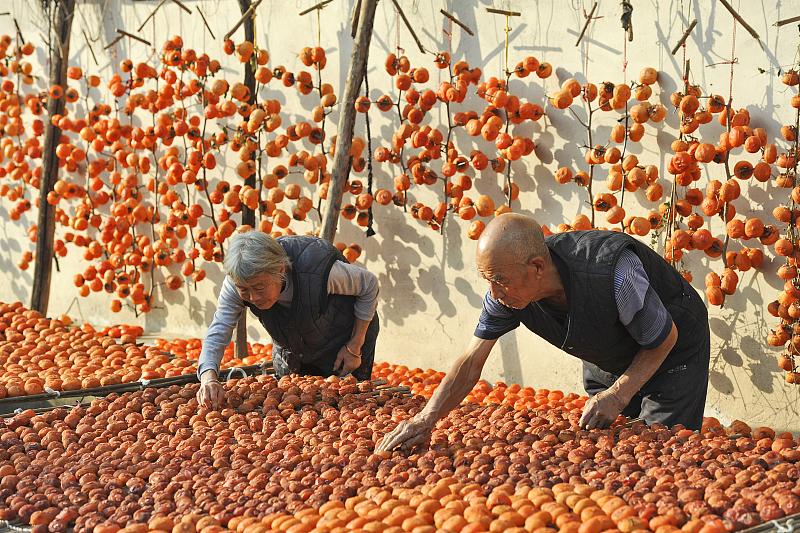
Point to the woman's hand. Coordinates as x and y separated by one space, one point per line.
346 362
210 393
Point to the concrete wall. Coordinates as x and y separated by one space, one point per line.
430 291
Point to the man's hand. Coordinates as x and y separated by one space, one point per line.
407 434
346 362
602 410
211 391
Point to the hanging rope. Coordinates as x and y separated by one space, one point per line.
733 60
586 51
449 37
624 57
370 231
507 29
685 79
399 50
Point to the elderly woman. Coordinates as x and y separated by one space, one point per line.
317 307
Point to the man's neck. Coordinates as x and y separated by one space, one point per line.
552 285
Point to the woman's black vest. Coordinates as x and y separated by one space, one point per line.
593 330
316 325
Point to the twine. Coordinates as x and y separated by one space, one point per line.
399 50
788 528
370 230
733 60
232 370
449 37
624 56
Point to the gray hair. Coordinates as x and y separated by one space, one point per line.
253 253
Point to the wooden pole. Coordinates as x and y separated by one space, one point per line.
43 266
586 24
248 215
347 120
684 36
738 17
778 24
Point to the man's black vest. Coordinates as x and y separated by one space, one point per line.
316 325
593 330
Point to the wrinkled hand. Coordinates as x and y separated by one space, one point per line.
601 410
210 395
346 362
407 434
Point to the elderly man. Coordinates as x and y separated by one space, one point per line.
317 307
602 296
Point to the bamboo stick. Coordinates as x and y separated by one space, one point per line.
503 12
318 6
206 23
90 47
183 6
408 25
241 20
21 38
586 24
115 41
684 37
787 21
132 36
457 22
746 26
151 15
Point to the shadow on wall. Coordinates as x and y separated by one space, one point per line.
740 355
19 281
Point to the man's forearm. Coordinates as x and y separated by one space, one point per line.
459 381
643 367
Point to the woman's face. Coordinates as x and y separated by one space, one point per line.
261 291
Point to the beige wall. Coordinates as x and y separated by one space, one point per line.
430 292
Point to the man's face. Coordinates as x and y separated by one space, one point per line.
511 283
261 291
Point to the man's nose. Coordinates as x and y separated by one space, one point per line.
496 291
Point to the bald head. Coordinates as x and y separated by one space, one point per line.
511 238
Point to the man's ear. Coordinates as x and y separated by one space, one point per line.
537 263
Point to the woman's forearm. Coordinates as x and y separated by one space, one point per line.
359 334
230 307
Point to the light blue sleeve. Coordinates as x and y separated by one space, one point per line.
348 279
230 307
